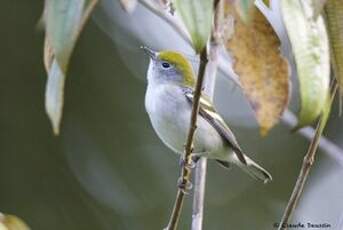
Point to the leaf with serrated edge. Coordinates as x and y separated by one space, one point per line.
197 16
262 71
310 47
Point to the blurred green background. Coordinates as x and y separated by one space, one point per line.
107 169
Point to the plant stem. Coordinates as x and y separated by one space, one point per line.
185 170
199 194
209 85
307 164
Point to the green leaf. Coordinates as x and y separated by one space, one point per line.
197 16
334 19
54 95
64 22
310 46
326 111
244 9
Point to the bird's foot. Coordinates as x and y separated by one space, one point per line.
195 158
184 185
191 164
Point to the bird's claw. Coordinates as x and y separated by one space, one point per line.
185 185
195 159
188 165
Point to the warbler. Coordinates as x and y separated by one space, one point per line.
168 102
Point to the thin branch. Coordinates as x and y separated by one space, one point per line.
327 146
209 85
307 165
186 170
199 194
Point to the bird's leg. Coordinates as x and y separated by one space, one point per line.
194 159
184 184
187 163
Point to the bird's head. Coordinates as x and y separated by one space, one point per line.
169 67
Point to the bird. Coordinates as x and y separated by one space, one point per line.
168 102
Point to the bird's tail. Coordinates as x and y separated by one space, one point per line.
253 169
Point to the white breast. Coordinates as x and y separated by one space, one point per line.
169 112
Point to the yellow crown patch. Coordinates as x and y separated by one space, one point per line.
181 63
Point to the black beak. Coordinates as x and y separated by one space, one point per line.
152 54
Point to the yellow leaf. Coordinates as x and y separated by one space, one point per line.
262 71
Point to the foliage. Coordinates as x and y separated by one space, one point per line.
197 16
334 19
311 52
263 72
64 21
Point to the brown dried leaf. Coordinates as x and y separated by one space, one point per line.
262 71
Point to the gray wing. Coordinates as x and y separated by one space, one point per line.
207 111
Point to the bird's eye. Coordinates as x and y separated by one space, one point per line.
165 65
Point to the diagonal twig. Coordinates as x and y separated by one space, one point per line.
307 164
209 85
186 170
